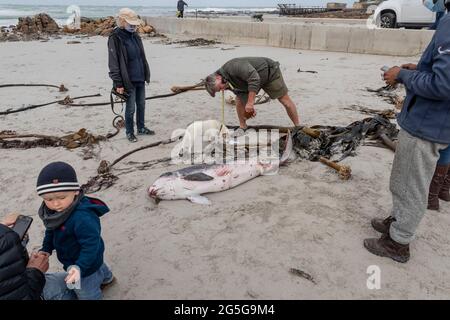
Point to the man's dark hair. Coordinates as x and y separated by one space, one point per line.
210 84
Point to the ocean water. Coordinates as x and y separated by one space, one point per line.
9 13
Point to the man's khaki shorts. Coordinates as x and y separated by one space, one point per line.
275 89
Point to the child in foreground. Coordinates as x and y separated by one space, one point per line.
73 230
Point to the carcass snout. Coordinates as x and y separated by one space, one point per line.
153 192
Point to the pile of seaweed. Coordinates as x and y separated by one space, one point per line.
10 139
198 42
338 143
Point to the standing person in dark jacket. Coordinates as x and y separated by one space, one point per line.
245 77
180 8
21 277
73 230
129 70
425 124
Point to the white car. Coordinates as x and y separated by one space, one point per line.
403 13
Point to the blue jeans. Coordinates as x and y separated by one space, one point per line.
444 159
135 103
56 288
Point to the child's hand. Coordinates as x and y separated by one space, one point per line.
44 253
73 275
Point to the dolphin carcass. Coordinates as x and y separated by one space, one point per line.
192 182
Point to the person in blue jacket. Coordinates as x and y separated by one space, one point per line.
72 229
425 124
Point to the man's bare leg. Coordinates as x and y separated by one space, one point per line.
240 109
291 109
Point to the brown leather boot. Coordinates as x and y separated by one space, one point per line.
435 187
444 194
386 247
382 225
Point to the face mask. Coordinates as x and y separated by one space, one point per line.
435 7
130 28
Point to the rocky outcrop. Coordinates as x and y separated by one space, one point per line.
40 23
88 26
42 26
101 27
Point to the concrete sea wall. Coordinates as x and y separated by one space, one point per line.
312 36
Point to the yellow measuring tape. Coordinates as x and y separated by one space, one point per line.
223 107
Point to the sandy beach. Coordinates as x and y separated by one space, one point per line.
244 244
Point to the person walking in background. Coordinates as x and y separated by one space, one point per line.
180 8
129 70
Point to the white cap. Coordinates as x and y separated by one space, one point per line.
130 17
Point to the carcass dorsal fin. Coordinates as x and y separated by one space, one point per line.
198 176
199 200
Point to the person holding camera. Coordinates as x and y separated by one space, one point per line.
422 142
129 70
21 276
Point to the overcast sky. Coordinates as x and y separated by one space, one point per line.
198 3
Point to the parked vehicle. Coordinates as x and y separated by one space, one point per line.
403 13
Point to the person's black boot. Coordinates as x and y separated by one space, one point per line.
444 194
146 131
435 187
131 137
382 225
386 247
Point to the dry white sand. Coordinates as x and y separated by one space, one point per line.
243 245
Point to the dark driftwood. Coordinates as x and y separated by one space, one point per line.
61 87
309 131
106 167
65 101
388 142
344 171
68 101
160 96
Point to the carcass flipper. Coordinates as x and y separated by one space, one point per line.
199 200
198 176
